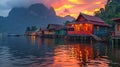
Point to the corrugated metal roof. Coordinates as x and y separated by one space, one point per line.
55 27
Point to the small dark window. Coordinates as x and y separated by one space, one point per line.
71 29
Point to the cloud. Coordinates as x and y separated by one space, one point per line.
77 6
62 7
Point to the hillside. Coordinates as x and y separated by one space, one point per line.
35 15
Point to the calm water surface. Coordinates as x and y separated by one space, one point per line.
37 52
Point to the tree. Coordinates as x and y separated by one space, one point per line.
28 29
112 10
67 22
33 28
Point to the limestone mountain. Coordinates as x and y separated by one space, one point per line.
37 14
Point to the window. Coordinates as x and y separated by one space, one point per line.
71 29
118 27
98 28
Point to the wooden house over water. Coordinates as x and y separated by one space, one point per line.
117 27
40 32
116 33
86 25
55 30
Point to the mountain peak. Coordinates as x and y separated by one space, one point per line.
37 14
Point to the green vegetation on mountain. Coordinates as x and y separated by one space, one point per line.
112 10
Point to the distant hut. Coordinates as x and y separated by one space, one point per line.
40 32
31 31
54 30
88 26
61 32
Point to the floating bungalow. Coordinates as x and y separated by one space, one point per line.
40 32
55 30
86 25
116 33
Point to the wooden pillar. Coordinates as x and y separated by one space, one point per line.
91 41
112 43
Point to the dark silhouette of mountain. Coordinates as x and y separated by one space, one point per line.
35 15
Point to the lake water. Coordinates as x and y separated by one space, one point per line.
37 52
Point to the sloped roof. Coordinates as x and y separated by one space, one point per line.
116 19
55 26
90 18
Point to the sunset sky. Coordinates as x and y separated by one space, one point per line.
62 7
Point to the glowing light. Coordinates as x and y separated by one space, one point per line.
33 38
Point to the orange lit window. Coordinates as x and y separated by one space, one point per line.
118 27
98 28
81 27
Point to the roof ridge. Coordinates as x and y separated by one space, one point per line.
90 17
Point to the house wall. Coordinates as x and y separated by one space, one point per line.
117 33
103 31
81 29
60 32
49 33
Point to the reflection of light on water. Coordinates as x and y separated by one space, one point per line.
49 41
39 41
33 38
87 55
77 56
62 58
71 55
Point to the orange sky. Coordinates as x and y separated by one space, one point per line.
74 7
62 7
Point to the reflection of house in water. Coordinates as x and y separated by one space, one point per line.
55 30
72 55
117 55
99 50
116 52
83 53
46 41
